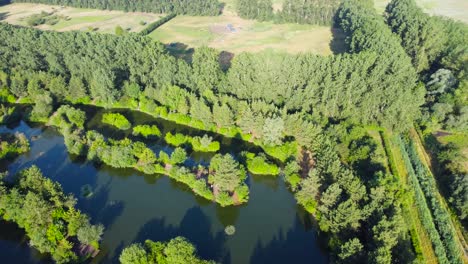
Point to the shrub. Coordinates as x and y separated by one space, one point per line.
6 96
259 165
146 131
242 193
224 199
178 156
67 117
7 114
283 152
205 144
117 120
176 140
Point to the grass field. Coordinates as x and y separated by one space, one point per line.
248 35
78 18
457 9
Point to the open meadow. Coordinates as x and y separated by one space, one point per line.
227 32
69 18
455 9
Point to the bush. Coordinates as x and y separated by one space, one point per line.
259 165
176 140
146 131
224 199
7 114
283 152
117 120
205 144
6 96
12 145
67 117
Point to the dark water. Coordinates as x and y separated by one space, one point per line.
134 207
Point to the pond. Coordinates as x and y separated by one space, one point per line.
133 207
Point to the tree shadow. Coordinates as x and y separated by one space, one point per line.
289 247
101 209
225 59
15 247
196 227
338 42
181 51
3 16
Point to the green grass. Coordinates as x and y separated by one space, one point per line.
459 139
80 20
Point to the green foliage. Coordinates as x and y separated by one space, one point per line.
177 251
226 173
7 114
176 140
119 31
153 26
452 179
42 107
435 218
283 152
193 7
260 166
5 95
273 130
39 206
205 144
439 45
42 18
146 131
178 156
117 120
89 234
67 117
13 145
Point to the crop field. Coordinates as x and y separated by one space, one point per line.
451 8
70 18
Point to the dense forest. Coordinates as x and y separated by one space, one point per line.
439 50
185 7
319 12
301 109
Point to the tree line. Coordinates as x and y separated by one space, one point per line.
439 51
180 7
318 12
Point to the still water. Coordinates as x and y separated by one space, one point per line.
134 207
